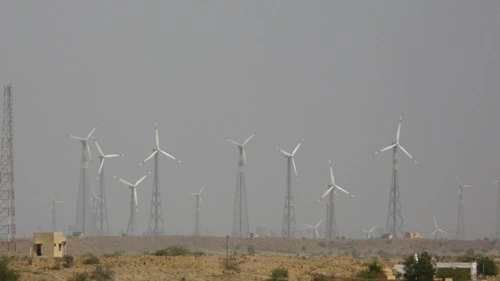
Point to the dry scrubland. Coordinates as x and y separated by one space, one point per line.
131 258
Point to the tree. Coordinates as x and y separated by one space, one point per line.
7 273
419 269
487 266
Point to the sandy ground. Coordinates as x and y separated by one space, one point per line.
131 257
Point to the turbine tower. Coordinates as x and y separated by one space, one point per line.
134 208
199 203
53 210
437 230
240 213
394 217
288 225
7 206
82 210
156 224
331 226
368 232
101 209
315 235
460 234
497 228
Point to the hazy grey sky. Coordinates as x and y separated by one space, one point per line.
338 73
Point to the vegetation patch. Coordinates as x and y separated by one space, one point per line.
173 251
279 274
6 273
91 260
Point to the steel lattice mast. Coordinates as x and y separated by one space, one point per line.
7 207
394 217
460 232
240 212
497 228
288 224
199 203
156 224
83 211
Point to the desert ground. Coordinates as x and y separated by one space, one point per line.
131 258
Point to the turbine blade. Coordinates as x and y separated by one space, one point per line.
372 229
495 182
91 132
309 225
326 192
297 147
201 189
88 149
320 222
201 201
295 170
284 152
141 179
233 142
442 231
123 181
408 154
435 223
75 137
61 202
345 191
432 235
135 197
100 167
244 156
335 193
399 129
156 135
386 148
316 232
149 157
52 197
170 156
332 178
249 138
466 185
113 155
98 147
459 182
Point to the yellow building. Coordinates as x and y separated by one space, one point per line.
49 244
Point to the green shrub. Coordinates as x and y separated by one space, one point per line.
6 273
279 274
251 249
231 264
487 266
102 274
91 260
375 266
172 251
80 276
365 274
68 261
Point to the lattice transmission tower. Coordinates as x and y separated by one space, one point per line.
7 207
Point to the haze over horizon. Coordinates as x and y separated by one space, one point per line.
338 74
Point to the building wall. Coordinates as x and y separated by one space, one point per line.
53 244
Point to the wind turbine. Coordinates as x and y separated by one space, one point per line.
288 225
199 203
437 229
240 214
394 218
460 234
82 211
134 208
156 224
101 210
53 209
497 228
368 232
331 226
315 228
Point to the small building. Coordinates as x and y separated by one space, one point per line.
254 235
49 244
413 235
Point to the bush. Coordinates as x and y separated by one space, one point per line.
6 273
172 251
322 244
231 264
198 253
68 261
372 271
279 274
487 266
102 274
251 249
422 270
80 276
91 260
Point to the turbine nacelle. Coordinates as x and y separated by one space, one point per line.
241 147
84 140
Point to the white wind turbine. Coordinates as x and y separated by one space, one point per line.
134 208
240 213
199 203
101 211
82 211
53 209
460 234
288 226
394 217
156 224
437 229
315 228
368 232
330 193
